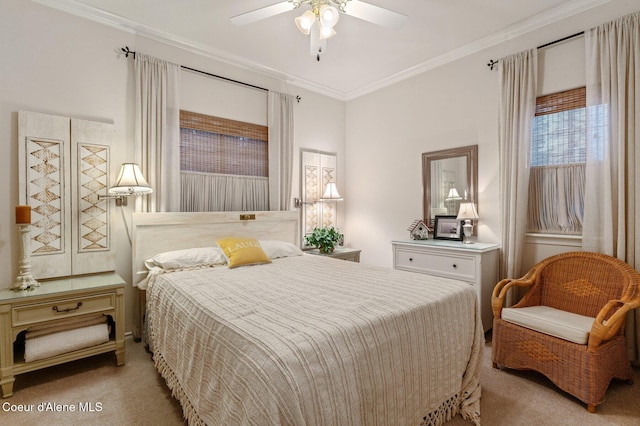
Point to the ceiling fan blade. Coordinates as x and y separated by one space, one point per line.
262 13
375 14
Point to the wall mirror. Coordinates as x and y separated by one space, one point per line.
449 177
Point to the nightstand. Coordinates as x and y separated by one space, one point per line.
476 264
55 300
349 254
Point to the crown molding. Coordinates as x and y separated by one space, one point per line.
528 25
533 23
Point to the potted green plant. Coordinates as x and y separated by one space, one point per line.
324 239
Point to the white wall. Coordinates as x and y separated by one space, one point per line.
211 96
451 106
55 63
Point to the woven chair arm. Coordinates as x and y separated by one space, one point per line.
604 328
501 289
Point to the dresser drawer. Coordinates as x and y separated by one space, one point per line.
63 308
452 266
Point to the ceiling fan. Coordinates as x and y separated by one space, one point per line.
318 22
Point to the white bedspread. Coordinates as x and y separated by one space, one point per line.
308 340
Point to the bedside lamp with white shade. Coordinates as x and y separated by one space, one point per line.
331 193
467 213
130 182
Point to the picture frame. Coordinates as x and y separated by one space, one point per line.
448 228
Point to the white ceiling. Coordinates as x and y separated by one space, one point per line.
362 57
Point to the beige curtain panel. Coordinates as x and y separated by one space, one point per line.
612 204
280 120
208 192
157 131
517 104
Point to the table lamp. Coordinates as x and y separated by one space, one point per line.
467 213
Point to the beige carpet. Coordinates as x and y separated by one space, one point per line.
136 395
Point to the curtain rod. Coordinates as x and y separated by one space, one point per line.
493 63
128 52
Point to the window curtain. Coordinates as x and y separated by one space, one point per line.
280 122
210 192
556 195
612 202
157 131
517 103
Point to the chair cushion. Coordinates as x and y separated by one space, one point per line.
554 322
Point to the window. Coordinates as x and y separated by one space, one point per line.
558 155
224 164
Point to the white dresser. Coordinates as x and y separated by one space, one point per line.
475 263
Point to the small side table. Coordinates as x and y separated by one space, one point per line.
349 254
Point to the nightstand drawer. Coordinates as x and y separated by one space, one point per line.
65 308
458 267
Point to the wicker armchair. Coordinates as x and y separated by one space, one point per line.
587 284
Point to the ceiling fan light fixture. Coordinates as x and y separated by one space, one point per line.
305 21
326 32
326 13
329 15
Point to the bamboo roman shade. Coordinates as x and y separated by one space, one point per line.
559 129
561 101
219 145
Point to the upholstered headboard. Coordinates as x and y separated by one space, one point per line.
155 233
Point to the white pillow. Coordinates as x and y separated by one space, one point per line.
188 257
275 249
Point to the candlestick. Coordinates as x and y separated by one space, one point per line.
23 215
24 280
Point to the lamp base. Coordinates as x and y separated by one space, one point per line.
467 231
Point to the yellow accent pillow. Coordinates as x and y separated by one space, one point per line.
242 251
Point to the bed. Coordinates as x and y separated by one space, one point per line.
304 339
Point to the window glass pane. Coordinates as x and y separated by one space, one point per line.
559 138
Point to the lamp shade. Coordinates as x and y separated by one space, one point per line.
331 193
326 32
305 21
467 211
453 195
130 181
328 15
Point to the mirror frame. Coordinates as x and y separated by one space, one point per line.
471 154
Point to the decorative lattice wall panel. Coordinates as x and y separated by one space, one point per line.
63 167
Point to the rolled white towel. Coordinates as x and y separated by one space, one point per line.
72 320
67 325
53 344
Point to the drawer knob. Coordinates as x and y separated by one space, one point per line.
411 259
455 266
62 311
